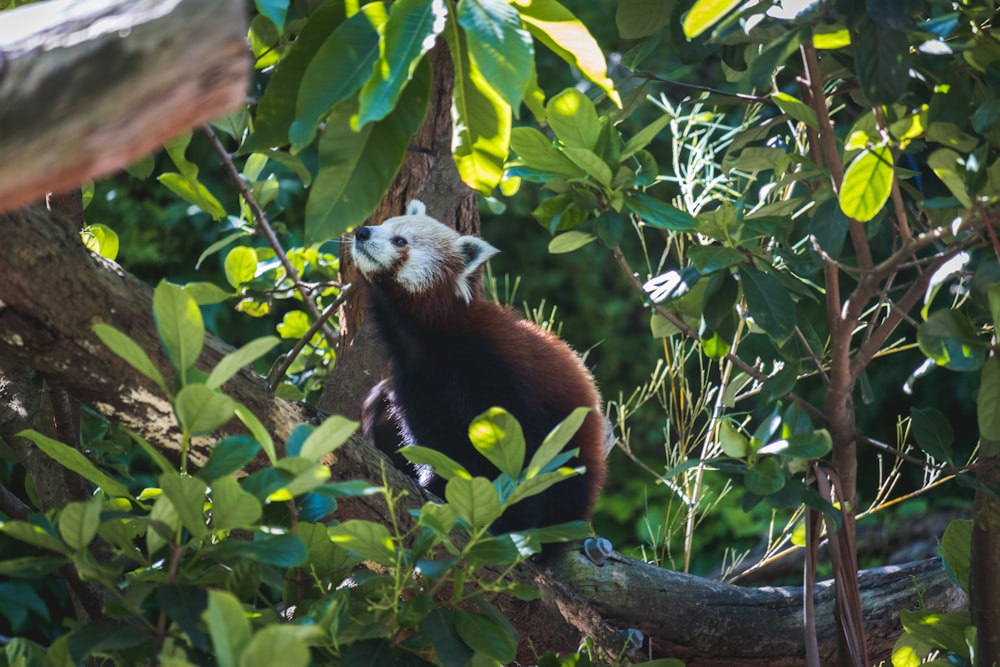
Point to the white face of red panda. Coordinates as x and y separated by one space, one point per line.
417 252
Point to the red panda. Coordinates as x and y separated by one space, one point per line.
454 355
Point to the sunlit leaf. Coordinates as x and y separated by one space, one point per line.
180 325
573 118
500 47
475 500
569 241
231 364
201 410
704 14
867 184
129 350
74 460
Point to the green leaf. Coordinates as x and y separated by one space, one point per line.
482 118
231 364
708 259
536 484
205 294
497 435
882 61
277 645
32 534
947 165
569 241
444 467
357 167
257 430
187 495
328 436
495 550
812 445
933 433
734 443
367 539
988 401
129 350
500 47
956 547
277 550
232 507
643 137
769 304
193 192
486 637
228 626
410 32
557 28
276 110
867 183
641 18
537 151
765 477
275 10
943 630
591 163
179 323
227 457
101 239
573 118
72 459
338 70
949 338
659 214
201 410
475 500
796 109
556 440
240 266
438 627
704 14
78 522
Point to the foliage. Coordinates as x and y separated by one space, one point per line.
208 566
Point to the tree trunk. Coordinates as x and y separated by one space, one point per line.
52 290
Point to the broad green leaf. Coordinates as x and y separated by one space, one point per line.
988 401
500 47
734 443
641 18
328 436
867 183
179 323
993 297
74 460
187 495
481 118
933 432
659 214
938 629
496 550
32 534
257 430
569 241
357 167
100 239
308 475
557 28
536 484
232 507
231 364
205 294
643 137
536 150
765 477
278 550
192 191
164 524
410 32
956 546
704 14
949 338
497 435
475 500
337 71
438 627
439 518
367 539
227 457
573 118
240 266
276 110
444 467
78 522
768 303
796 109
589 161
486 637
129 350
882 61
947 165
812 445
201 410
556 441
278 645
228 627
712 258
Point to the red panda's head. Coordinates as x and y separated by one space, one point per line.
419 254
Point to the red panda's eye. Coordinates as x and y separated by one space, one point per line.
398 241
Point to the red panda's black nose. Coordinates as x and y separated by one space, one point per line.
363 233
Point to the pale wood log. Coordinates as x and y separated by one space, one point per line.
52 290
87 87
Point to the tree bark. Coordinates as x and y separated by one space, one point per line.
52 290
92 86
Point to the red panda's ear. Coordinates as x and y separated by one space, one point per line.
474 252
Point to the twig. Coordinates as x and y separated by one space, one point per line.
262 224
703 89
278 372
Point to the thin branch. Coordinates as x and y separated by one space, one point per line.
703 89
279 370
262 224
